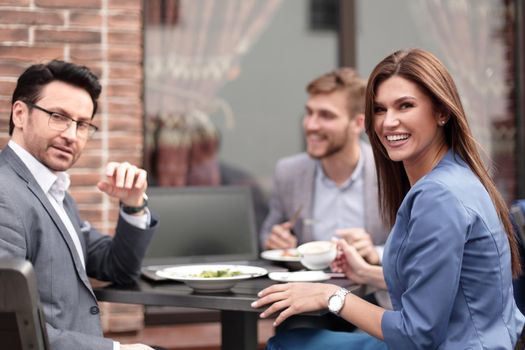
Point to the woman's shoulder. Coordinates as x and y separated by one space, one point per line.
453 181
451 174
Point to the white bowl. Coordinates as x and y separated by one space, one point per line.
317 255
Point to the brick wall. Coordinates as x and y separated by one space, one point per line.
105 35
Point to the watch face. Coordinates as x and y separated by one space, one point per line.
335 303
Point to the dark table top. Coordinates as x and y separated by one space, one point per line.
173 293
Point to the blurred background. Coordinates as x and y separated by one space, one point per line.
224 80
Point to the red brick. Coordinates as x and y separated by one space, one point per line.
85 19
31 54
135 159
86 196
86 52
125 54
90 214
31 17
113 215
123 107
7 87
130 90
125 142
125 124
4 126
69 4
125 71
67 36
10 69
84 178
89 161
94 143
125 20
4 122
125 4
14 34
14 2
133 38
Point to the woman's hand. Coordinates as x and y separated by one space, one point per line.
294 298
355 267
362 242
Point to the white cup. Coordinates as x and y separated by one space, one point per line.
317 255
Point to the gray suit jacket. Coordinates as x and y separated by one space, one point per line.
293 185
31 229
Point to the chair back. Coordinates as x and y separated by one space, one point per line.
518 217
517 213
22 324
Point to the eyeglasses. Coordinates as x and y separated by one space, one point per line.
60 122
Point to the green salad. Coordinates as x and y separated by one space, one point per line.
216 273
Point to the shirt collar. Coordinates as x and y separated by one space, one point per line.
42 174
329 182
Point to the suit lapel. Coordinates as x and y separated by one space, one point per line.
73 216
19 167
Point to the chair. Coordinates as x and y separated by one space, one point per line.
22 325
517 213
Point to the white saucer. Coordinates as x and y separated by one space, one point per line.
299 276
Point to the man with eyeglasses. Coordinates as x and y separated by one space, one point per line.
53 106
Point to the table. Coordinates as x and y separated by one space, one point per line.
238 318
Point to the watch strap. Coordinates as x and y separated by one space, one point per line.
134 210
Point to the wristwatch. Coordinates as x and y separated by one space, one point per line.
134 210
337 300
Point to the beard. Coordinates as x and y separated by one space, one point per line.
331 149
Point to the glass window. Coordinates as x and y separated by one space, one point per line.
475 41
225 87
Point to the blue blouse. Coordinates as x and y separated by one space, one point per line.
447 267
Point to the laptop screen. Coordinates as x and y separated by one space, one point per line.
202 224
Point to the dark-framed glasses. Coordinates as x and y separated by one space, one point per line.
60 122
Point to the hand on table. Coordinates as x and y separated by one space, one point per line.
125 182
361 241
281 237
293 298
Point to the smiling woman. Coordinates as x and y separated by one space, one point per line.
409 128
450 229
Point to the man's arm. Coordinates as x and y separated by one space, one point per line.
119 259
275 232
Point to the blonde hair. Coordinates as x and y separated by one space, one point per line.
342 79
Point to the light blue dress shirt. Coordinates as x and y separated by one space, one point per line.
337 207
448 271
447 267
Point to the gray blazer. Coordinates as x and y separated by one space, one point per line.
293 185
31 229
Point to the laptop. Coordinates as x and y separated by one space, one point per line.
199 225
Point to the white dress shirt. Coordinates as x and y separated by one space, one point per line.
55 186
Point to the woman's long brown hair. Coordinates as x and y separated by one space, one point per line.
431 76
